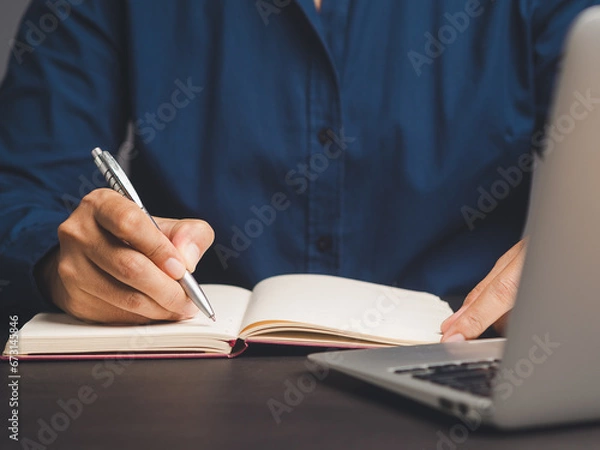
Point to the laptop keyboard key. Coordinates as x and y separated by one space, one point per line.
473 377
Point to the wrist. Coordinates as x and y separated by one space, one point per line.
45 274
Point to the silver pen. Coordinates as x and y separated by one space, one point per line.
117 180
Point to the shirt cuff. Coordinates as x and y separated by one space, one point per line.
18 259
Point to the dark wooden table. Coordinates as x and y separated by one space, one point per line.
255 401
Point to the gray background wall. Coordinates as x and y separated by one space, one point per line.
10 14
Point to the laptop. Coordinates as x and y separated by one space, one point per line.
547 370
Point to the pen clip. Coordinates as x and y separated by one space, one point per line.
117 178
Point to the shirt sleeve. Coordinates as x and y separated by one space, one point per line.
63 95
551 22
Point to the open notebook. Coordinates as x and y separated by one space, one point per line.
299 309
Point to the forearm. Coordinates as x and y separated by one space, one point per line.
55 106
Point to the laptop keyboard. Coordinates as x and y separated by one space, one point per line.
473 377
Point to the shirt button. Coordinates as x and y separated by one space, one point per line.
324 135
324 243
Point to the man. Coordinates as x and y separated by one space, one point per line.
387 141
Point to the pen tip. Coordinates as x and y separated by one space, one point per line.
213 318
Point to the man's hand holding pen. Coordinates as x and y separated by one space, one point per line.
114 266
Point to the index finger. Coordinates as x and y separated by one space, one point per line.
500 265
125 220
493 303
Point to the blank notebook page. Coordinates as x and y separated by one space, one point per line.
344 304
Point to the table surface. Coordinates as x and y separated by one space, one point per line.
268 398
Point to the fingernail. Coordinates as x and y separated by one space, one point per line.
174 268
192 255
455 338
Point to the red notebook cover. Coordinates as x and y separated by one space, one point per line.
238 347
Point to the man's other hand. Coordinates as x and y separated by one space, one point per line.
491 300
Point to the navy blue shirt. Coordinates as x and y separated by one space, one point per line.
382 140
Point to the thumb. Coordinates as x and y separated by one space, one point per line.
192 237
